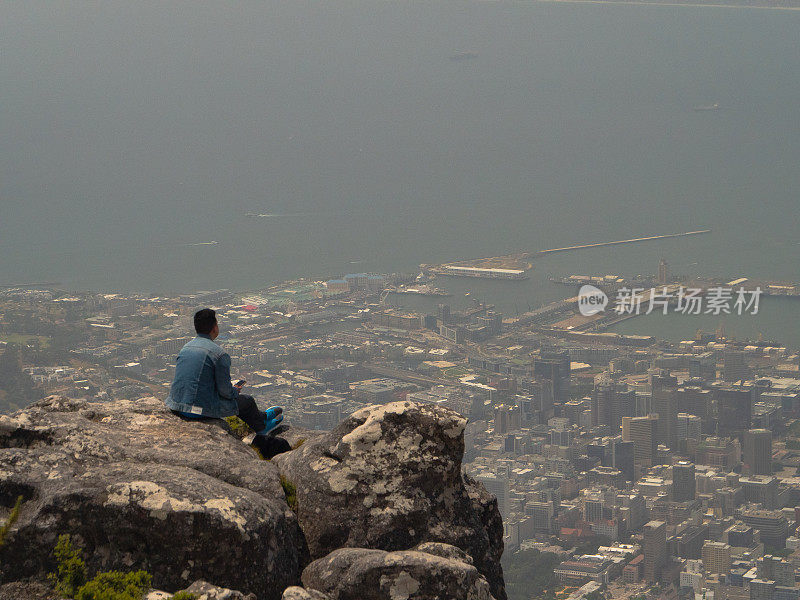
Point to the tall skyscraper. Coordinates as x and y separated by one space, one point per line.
734 366
497 484
623 458
663 272
689 427
664 404
696 400
610 402
642 432
757 451
506 418
734 408
655 550
554 366
683 481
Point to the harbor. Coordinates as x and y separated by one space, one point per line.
516 265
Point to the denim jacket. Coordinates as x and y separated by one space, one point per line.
202 385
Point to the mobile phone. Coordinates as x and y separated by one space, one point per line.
240 383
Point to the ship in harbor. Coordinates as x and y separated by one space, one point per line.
706 107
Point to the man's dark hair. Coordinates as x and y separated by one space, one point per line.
204 320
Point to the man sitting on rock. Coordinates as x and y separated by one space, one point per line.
202 388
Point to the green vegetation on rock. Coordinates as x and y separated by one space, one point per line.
238 427
71 579
72 573
12 518
290 491
116 585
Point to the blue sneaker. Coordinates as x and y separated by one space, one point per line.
272 412
271 424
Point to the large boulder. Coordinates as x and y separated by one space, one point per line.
388 478
362 574
140 488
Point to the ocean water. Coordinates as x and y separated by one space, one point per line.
135 135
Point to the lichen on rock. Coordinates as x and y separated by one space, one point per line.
380 504
389 478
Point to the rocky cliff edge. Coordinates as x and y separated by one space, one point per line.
381 509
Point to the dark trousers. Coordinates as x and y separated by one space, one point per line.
250 413
267 445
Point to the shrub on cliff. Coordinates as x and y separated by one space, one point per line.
71 579
12 518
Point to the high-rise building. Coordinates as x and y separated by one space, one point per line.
761 589
443 312
696 400
663 272
771 524
664 404
777 569
506 418
623 453
610 402
734 408
542 514
561 436
761 489
655 550
721 452
497 484
683 481
554 366
613 451
593 510
757 451
572 409
703 366
734 366
642 432
632 509
689 427
716 557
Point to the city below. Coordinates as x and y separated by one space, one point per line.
632 467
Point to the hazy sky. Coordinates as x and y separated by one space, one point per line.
132 130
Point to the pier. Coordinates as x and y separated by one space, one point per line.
630 241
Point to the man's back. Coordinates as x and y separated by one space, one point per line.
202 384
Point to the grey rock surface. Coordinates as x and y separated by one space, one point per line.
362 574
139 488
443 550
297 593
207 591
388 478
22 590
